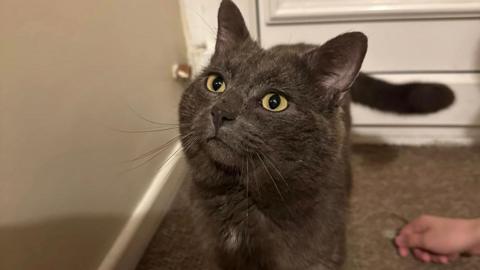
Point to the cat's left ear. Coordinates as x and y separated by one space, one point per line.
337 63
231 27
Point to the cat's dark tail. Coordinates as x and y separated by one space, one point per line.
410 98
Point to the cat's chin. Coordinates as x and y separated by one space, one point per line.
222 154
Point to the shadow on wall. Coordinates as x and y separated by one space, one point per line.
57 242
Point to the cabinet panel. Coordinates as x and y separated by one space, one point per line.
394 46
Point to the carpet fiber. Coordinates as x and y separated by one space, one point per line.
390 183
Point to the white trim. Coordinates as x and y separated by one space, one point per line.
289 11
131 242
416 135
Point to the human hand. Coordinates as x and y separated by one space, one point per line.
439 240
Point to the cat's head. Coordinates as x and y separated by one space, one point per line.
283 103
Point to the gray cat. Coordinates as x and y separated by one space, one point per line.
266 134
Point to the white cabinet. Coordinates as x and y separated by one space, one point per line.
409 40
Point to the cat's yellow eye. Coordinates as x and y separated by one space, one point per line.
215 83
274 102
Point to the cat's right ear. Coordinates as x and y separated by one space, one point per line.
337 63
231 27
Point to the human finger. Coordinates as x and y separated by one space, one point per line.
415 240
422 255
440 259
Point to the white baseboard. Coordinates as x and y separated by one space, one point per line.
416 135
133 239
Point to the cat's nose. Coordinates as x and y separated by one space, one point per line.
220 117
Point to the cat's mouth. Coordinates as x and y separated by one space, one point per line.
221 152
218 145
217 141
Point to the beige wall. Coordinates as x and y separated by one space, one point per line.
69 69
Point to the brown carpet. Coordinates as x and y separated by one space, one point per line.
389 182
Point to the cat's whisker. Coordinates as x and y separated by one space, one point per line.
153 157
248 182
187 137
155 150
146 161
252 172
143 163
213 31
189 145
248 205
146 119
271 177
142 130
267 158
245 174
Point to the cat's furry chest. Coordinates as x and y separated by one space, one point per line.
234 229
232 216
248 232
